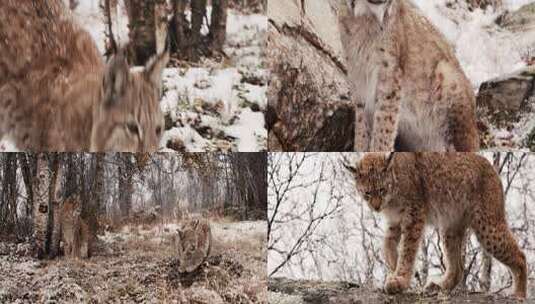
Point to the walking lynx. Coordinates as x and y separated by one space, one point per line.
194 242
451 191
56 93
409 91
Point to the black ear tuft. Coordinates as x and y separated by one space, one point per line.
348 166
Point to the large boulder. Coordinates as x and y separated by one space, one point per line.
520 20
522 23
508 103
309 107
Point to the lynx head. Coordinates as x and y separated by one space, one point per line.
378 8
129 118
373 179
72 206
193 243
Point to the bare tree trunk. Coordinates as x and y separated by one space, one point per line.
40 209
55 204
27 164
112 22
218 27
142 31
198 12
8 216
160 24
98 191
126 187
180 24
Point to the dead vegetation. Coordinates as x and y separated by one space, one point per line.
138 264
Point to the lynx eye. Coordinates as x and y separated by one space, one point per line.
377 2
368 195
132 127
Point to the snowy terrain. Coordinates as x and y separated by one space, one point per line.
484 50
212 106
487 51
346 245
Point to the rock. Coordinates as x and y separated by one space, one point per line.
282 291
309 107
522 23
530 140
522 19
483 4
176 144
504 100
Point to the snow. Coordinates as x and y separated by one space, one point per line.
512 5
231 232
230 123
484 50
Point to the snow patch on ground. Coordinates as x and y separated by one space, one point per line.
231 232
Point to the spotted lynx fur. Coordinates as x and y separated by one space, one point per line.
57 94
408 89
453 192
194 242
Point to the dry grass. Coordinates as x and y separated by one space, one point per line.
138 265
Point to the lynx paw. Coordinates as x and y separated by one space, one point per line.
432 288
395 284
520 296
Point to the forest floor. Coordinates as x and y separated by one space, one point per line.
284 291
138 265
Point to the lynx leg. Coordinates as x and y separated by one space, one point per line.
499 241
411 234
362 130
392 238
385 121
453 242
461 117
7 102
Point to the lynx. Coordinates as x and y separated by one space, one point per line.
57 94
451 191
194 242
409 91
75 230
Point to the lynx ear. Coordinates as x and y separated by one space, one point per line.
349 167
388 160
154 69
116 78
